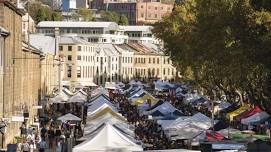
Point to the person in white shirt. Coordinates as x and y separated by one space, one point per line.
32 146
25 146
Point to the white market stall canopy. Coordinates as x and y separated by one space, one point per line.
112 85
98 91
165 108
108 139
69 117
62 97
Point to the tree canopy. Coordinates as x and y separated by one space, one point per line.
114 17
40 12
221 45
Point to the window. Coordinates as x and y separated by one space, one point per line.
97 59
149 60
155 8
69 58
155 15
153 60
79 48
164 71
142 14
79 57
168 71
142 6
157 60
157 71
78 72
60 48
69 48
69 71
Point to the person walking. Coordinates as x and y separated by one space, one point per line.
25 146
42 145
58 146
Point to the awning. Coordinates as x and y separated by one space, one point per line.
256 118
69 117
249 113
237 112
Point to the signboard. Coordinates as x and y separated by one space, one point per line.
17 118
37 107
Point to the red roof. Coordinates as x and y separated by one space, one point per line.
249 113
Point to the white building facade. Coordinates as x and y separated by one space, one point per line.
95 32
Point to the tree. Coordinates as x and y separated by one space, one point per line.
40 15
86 14
224 44
56 16
123 20
110 16
40 12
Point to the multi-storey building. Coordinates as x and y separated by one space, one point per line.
3 34
140 34
150 62
21 74
149 12
126 62
50 64
140 12
68 5
79 60
88 63
96 32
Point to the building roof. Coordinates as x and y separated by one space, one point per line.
108 49
27 47
45 44
121 48
142 49
52 24
72 40
137 28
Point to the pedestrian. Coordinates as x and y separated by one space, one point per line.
42 145
43 132
58 146
23 130
25 146
51 136
32 146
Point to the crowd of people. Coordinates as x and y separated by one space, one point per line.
147 130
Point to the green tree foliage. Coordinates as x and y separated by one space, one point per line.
221 45
56 16
40 15
86 14
123 20
109 16
40 12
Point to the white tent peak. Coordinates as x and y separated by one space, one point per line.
109 138
68 117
